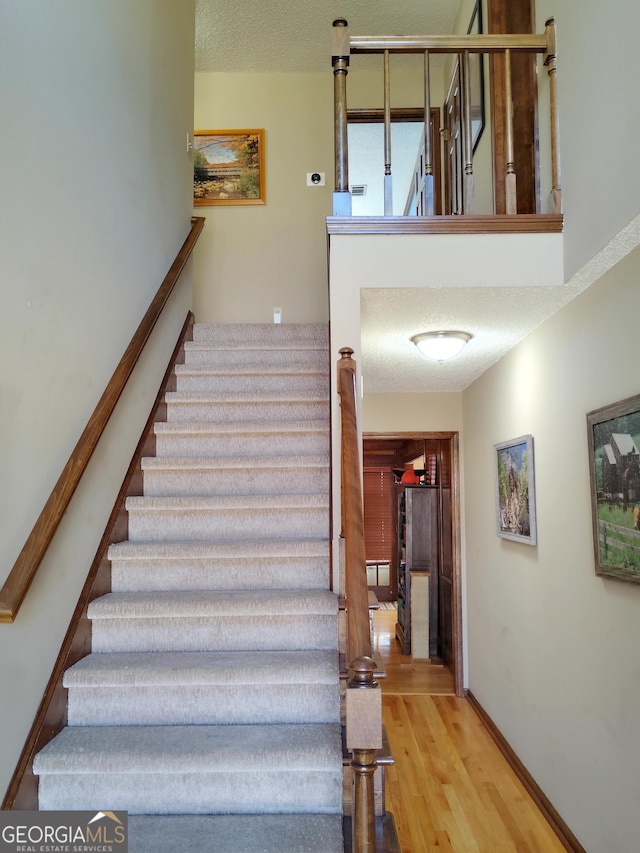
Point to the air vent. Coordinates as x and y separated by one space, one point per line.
359 190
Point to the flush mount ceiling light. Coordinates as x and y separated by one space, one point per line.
441 346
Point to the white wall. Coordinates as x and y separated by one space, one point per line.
599 120
553 648
97 101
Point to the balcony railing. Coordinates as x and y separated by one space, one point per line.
422 199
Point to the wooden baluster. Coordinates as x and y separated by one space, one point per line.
388 191
510 177
364 736
340 62
429 180
550 62
467 195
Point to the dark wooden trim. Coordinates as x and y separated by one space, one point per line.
547 223
22 793
565 836
22 574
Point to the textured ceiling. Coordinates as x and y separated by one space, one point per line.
498 318
295 35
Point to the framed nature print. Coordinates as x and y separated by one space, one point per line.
228 167
614 468
515 490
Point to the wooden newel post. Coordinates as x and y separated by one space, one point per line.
364 736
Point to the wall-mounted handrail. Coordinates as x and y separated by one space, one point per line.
26 566
460 46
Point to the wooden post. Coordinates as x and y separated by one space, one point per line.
429 180
467 195
510 177
364 736
550 62
340 62
388 191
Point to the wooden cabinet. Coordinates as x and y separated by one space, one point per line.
416 558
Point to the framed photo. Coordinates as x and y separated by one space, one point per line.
228 167
614 468
476 72
515 490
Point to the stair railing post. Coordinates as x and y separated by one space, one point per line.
429 181
510 178
364 736
467 195
388 185
550 62
340 62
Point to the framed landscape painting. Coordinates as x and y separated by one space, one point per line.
515 490
228 167
614 468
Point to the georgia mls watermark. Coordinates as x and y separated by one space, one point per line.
63 832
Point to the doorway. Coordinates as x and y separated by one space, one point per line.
385 458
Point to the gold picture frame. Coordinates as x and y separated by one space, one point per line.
228 167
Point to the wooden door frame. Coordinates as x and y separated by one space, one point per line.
456 604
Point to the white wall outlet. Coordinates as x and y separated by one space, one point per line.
315 179
277 315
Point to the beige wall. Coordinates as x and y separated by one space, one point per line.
412 412
96 202
552 648
253 258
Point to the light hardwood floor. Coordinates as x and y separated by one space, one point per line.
450 788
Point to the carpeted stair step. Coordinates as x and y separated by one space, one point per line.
277 384
204 688
191 407
262 620
267 438
140 566
229 517
208 353
263 336
236 833
194 769
165 476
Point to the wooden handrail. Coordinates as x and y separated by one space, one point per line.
26 566
356 592
495 43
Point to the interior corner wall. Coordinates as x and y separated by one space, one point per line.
96 100
552 647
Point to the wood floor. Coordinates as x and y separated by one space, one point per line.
450 788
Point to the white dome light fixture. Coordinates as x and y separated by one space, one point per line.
441 346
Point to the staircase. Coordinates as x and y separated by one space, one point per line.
209 707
